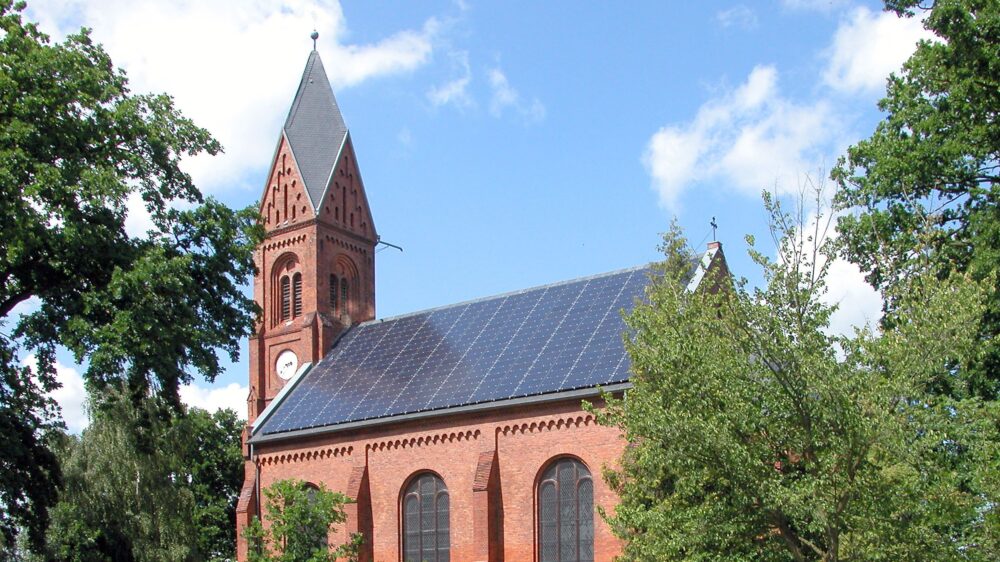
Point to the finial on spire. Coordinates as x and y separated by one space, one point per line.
314 36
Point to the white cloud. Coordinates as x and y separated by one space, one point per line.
867 47
751 138
816 5
737 16
71 395
227 61
232 396
858 303
455 91
506 97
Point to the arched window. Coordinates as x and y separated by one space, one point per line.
286 298
297 295
566 513
333 294
425 520
344 297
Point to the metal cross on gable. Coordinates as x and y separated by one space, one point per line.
714 227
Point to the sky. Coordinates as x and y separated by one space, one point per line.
508 144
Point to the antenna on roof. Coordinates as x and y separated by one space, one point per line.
714 226
314 36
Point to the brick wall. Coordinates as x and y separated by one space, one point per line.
490 463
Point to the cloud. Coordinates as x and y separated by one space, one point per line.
815 5
867 47
737 16
455 91
750 138
71 395
506 96
225 60
232 396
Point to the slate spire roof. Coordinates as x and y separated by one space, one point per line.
315 129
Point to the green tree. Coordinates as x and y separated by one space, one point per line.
213 464
929 176
300 519
148 311
125 497
758 435
166 491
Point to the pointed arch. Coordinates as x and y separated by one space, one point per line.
425 510
565 500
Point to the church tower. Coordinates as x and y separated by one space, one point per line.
316 265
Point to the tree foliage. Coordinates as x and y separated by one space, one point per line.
758 435
76 146
300 519
927 182
164 492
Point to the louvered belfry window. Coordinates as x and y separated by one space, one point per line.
333 294
344 292
425 521
286 298
297 295
566 513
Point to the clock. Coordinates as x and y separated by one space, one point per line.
287 364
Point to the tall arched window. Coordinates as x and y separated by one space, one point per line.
566 513
425 520
286 298
344 297
333 294
297 295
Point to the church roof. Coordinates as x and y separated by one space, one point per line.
548 340
315 129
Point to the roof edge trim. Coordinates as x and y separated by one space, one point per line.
482 406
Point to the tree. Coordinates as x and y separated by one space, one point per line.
148 311
757 435
929 175
167 492
301 518
214 464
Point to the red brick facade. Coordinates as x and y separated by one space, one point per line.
490 460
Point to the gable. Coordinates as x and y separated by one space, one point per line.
285 200
344 203
539 341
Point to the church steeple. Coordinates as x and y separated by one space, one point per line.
315 129
316 266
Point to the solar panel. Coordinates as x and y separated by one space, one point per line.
542 340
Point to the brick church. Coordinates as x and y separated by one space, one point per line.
457 431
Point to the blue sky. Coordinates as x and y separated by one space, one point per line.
510 144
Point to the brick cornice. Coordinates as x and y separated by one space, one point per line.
307 455
424 440
551 424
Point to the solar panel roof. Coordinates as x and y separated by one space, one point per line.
537 341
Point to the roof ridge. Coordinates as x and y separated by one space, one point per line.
507 294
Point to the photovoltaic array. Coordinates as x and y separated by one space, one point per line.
547 339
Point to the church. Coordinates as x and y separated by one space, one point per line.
458 432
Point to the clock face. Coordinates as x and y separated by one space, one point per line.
287 364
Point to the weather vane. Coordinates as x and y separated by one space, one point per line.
714 226
314 35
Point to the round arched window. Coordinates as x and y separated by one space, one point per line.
425 520
566 513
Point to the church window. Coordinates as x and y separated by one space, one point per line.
566 513
286 300
425 520
333 293
344 293
297 295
